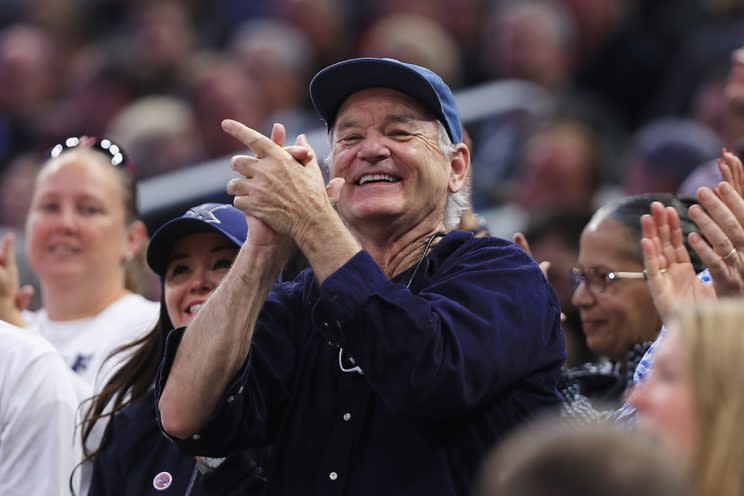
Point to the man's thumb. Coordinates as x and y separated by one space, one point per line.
333 190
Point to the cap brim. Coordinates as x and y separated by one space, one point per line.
334 84
162 242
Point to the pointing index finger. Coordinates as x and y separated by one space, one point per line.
261 145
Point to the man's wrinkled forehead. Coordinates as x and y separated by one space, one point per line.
402 108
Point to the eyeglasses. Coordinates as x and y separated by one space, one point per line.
113 152
597 278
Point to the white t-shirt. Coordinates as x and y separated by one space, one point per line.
38 403
86 343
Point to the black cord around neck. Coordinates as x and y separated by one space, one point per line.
423 255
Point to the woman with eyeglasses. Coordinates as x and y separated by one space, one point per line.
191 254
82 235
615 305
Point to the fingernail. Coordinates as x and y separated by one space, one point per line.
724 150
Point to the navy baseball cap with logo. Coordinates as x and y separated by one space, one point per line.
334 84
207 217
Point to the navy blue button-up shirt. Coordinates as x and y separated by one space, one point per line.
366 387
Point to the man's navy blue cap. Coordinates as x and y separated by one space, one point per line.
334 84
207 217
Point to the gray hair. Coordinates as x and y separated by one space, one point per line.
457 202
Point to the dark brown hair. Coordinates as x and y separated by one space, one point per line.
141 360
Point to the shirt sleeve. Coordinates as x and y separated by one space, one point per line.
251 406
486 322
37 446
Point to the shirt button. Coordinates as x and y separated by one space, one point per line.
333 476
240 391
196 437
230 399
347 416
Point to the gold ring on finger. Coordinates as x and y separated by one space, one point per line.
729 254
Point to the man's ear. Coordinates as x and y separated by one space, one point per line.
459 167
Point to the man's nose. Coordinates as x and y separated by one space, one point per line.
373 149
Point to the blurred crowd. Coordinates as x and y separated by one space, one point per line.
640 103
636 89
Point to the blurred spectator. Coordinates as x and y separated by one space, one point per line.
63 20
98 87
704 55
550 459
617 311
709 104
692 401
531 40
28 82
27 69
554 236
37 420
620 61
158 44
83 236
664 152
219 90
322 22
160 133
278 57
415 39
734 95
465 28
560 166
705 174
16 187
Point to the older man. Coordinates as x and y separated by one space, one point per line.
395 363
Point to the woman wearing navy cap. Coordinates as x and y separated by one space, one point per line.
191 253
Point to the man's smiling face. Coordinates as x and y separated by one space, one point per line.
386 147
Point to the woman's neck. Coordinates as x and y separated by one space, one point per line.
79 300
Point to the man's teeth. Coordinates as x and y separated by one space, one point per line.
377 177
195 308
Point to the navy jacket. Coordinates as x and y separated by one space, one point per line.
138 452
366 387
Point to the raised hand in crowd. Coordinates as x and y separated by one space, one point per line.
14 298
669 270
720 217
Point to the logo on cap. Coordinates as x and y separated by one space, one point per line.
206 211
162 481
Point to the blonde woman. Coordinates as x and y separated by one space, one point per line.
693 401
82 232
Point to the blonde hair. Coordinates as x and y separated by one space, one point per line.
714 338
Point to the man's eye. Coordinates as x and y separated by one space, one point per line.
399 133
351 138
